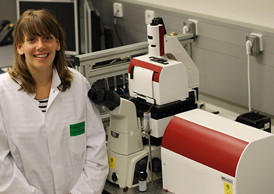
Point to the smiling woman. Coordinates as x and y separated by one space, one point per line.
37 38
52 139
39 53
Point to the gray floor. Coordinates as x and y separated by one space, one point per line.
152 188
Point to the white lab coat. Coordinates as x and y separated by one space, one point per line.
38 153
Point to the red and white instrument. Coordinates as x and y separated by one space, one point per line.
205 153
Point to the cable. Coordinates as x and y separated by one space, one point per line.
106 83
115 84
248 52
147 131
124 89
185 29
248 46
150 158
248 83
116 29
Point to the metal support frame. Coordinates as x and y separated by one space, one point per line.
85 62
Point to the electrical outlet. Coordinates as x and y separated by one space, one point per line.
196 26
118 10
191 26
260 37
149 15
256 46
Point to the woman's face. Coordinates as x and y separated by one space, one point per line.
39 51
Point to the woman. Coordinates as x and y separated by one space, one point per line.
51 136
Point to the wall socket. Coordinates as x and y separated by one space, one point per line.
149 15
257 43
191 26
260 40
118 10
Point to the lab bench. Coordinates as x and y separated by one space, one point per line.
155 187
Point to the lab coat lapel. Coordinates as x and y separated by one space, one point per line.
30 97
54 91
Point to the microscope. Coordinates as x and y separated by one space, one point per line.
128 157
162 83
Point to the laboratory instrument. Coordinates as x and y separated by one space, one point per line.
206 153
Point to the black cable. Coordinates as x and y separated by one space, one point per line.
116 29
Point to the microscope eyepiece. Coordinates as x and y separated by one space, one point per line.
107 98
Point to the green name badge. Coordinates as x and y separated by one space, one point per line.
77 129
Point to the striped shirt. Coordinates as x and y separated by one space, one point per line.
43 104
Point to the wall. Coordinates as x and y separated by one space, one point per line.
8 10
219 51
259 13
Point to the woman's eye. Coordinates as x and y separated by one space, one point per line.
30 39
48 38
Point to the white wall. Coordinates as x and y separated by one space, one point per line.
259 13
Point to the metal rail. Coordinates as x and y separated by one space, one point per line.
85 63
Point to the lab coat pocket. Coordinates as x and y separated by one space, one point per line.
77 143
77 137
